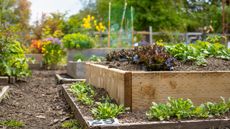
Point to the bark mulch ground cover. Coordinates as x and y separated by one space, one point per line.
37 102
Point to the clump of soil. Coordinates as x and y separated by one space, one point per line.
36 101
213 64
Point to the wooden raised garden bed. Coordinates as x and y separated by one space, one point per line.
138 89
187 124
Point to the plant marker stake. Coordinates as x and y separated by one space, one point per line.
122 21
132 26
109 25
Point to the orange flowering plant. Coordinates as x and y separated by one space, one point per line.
36 46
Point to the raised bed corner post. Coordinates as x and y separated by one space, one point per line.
8 79
128 89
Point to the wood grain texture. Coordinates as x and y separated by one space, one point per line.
128 89
112 80
200 87
139 89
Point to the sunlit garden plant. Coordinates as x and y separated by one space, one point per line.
52 50
77 40
36 46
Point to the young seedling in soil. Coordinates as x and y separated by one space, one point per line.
12 123
71 124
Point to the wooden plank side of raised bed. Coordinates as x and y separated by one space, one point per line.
200 87
190 124
74 108
4 92
112 80
4 80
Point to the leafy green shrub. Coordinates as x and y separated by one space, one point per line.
83 92
182 109
107 110
13 61
77 40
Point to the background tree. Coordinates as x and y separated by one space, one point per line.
163 15
51 25
23 13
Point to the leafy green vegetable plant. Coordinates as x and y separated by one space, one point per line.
183 109
83 92
107 110
200 112
217 109
159 111
71 124
153 57
95 58
198 51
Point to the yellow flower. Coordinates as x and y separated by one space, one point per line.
95 22
92 17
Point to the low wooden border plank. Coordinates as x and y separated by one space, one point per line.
189 124
61 80
4 92
4 80
76 110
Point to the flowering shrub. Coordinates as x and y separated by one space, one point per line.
89 22
36 46
77 41
52 51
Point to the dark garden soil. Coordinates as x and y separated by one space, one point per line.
37 102
213 64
